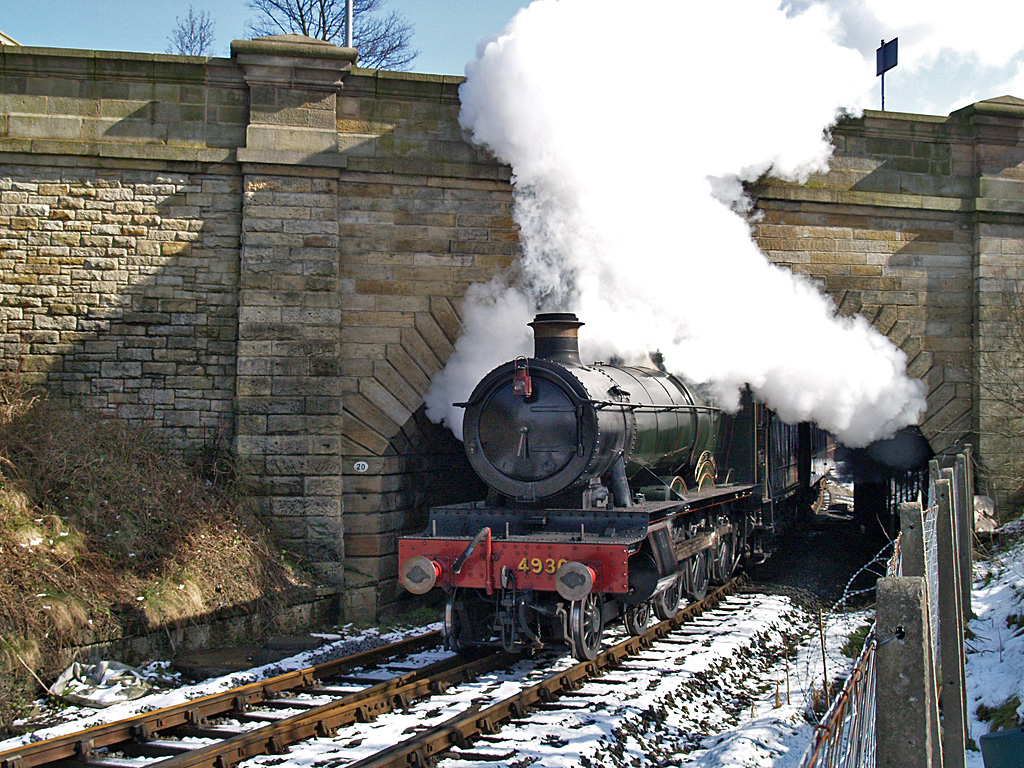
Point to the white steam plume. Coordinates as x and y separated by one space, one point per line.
627 160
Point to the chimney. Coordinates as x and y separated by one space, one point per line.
555 337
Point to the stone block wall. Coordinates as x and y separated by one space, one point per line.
884 233
997 133
917 226
266 252
119 226
116 293
422 215
269 252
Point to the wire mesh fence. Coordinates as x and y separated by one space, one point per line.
846 736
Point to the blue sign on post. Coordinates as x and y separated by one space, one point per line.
885 56
885 59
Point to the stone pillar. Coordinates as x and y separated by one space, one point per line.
905 728
289 403
996 135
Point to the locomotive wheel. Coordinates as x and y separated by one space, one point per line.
637 617
454 622
586 625
696 571
724 559
465 617
666 603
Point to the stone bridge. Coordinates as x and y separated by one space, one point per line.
267 254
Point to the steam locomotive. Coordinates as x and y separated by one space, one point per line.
606 499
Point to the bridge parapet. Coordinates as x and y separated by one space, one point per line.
918 225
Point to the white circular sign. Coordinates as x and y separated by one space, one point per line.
361 466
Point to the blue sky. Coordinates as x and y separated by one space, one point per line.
446 32
951 53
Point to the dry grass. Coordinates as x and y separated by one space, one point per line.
101 528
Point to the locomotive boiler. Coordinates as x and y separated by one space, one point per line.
604 499
552 428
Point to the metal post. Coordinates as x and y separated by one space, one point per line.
348 24
883 80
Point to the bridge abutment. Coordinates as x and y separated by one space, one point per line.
270 252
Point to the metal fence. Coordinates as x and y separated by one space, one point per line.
846 735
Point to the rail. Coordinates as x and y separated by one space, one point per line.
199 710
423 747
156 735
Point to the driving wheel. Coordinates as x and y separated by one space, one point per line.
666 603
725 557
697 575
637 617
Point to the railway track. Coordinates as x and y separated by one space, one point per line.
334 701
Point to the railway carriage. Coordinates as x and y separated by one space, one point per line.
614 492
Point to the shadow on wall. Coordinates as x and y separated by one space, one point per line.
128 295
916 286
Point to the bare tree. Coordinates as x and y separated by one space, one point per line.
383 40
193 35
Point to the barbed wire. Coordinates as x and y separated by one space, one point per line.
845 736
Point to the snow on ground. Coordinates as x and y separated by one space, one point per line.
714 696
736 687
75 718
995 643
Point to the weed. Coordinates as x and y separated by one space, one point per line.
855 641
1003 717
105 528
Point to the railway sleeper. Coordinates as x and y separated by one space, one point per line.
158 748
102 762
331 690
214 732
289 703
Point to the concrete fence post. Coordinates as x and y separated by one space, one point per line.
906 724
912 539
964 506
951 630
914 563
